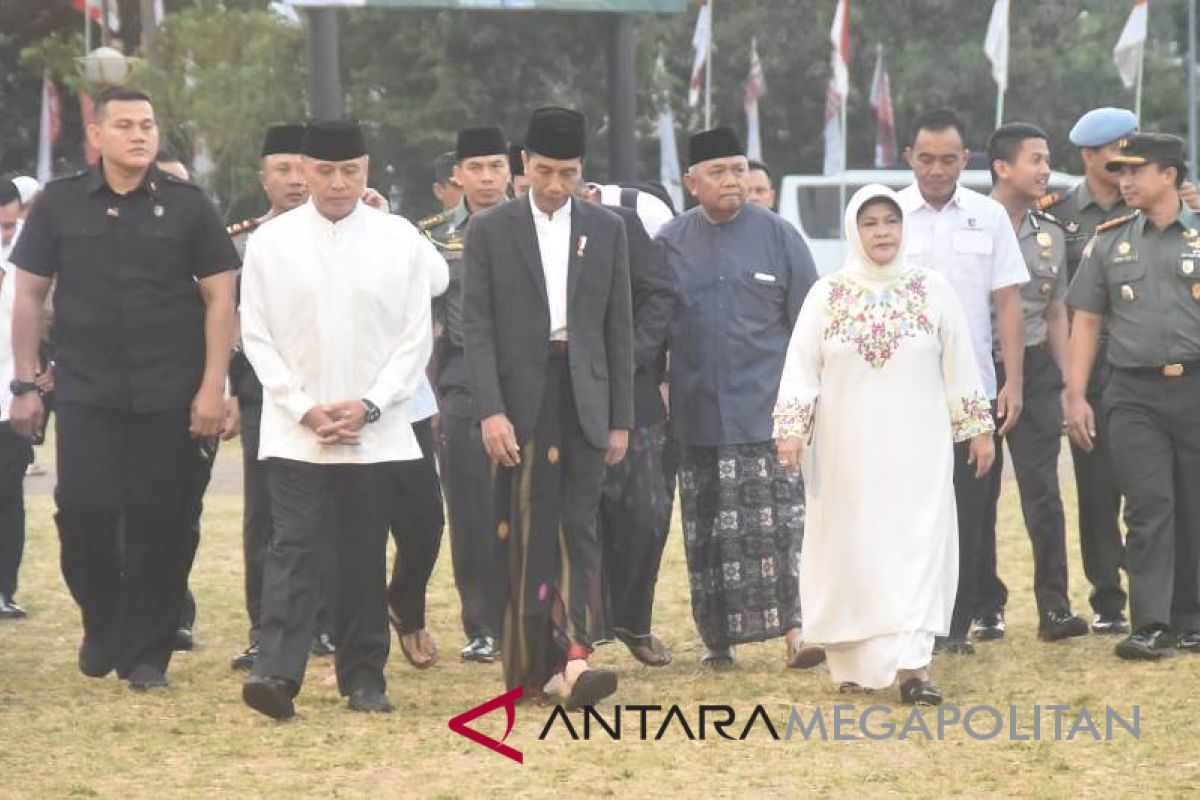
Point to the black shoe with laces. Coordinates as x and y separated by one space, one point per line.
953 646
989 626
10 610
245 659
1110 623
1058 625
1147 644
322 645
370 701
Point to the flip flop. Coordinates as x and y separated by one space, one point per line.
422 636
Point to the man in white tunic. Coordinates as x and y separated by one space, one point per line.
336 323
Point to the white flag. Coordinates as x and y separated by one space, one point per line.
995 43
700 41
835 146
839 37
756 87
668 157
837 90
1131 46
48 130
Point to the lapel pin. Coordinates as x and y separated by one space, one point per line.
112 212
581 246
158 210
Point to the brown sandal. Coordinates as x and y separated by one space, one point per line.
801 655
424 646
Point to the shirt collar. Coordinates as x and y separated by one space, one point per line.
1185 219
920 201
538 214
324 224
1086 199
96 181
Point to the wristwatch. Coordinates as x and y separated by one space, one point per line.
19 387
373 412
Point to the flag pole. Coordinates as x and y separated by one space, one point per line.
1137 97
708 71
999 106
1192 66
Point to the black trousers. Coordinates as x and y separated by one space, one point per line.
305 500
635 518
256 527
1154 424
208 457
1100 542
971 497
141 468
416 521
16 453
477 553
547 508
1035 444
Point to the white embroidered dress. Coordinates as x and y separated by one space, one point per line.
880 379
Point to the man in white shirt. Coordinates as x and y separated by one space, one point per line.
336 323
969 239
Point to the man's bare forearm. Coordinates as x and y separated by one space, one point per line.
29 298
220 330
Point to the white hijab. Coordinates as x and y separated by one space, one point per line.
857 263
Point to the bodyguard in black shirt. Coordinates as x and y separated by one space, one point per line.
144 321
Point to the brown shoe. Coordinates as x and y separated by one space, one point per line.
801 655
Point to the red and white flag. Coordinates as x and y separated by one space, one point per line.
886 151
49 129
838 89
700 41
95 10
1131 47
87 112
756 87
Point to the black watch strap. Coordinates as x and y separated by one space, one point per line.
373 412
19 387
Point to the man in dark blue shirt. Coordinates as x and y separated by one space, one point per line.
741 274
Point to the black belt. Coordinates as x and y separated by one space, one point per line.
558 348
1176 370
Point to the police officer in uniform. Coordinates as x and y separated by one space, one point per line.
1093 201
144 321
1140 278
1019 157
482 170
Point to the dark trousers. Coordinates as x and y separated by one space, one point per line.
115 465
477 553
1154 424
256 526
416 520
208 457
1035 444
16 453
971 497
547 511
635 518
326 513
1100 542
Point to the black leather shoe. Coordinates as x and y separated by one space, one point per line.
270 696
917 692
989 626
718 659
10 610
94 660
592 686
481 649
1058 625
1110 623
245 659
322 645
953 646
370 701
647 649
1188 642
144 677
185 639
1145 645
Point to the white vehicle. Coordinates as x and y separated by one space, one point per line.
815 204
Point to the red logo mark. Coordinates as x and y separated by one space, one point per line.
509 701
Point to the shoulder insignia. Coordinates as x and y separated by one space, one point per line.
429 223
1047 200
1042 214
245 226
1115 222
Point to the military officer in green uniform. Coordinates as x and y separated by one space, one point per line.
1019 158
1140 279
443 226
1093 201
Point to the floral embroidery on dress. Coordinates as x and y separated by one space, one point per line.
793 418
971 417
875 323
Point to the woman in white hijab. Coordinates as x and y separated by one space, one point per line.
879 383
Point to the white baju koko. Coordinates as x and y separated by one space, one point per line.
880 378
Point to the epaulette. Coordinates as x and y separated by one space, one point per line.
1047 200
83 173
169 178
1114 223
245 226
1042 213
429 223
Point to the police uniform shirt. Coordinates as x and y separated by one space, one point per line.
970 241
128 315
1044 248
1080 214
1146 283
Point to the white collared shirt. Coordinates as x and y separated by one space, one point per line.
971 242
336 311
554 244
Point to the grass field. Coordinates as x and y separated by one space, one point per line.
67 736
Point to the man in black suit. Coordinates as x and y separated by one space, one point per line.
635 506
549 345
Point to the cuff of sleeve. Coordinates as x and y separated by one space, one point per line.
971 417
794 419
